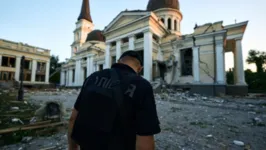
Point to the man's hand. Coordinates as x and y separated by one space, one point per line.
145 143
71 144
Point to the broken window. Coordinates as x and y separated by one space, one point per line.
40 78
139 36
41 66
7 76
125 40
8 62
27 77
162 20
101 67
113 44
113 59
186 61
27 64
169 24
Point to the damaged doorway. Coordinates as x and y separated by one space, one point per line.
186 61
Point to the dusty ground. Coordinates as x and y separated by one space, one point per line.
188 122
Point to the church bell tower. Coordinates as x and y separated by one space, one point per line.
84 25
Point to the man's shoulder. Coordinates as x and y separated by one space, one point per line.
142 82
104 72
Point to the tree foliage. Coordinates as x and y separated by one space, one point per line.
54 66
257 57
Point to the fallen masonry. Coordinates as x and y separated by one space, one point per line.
188 121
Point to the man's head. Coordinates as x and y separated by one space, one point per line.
132 59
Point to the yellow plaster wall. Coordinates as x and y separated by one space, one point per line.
128 29
209 68
125 20
27 55
235 31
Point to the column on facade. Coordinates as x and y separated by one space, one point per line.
62 78
0 60
173 24
33 70
178 25
239 67
67 78
18 60
95 67
47 71
196 73
220 64
107 56
90 64
70 76
179 64
81 80
166 22
148 55
131 44
77 72
118 49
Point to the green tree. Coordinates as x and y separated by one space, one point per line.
54 64
257 57
54 69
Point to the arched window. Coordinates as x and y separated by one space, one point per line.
169 24
175 25
162 20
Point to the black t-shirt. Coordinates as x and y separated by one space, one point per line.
139 104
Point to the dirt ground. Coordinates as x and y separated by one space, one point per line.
188 122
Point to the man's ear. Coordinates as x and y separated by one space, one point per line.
140 69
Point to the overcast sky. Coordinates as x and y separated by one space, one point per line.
50 23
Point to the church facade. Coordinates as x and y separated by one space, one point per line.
195 61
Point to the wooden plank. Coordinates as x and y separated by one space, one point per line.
38 123
48 148
14 129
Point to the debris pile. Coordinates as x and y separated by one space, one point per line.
19 120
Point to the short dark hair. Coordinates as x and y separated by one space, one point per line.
133 54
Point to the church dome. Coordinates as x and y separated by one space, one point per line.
158 4
95 35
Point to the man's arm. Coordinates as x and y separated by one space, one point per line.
146 119
71 144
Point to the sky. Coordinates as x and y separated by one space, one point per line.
50 23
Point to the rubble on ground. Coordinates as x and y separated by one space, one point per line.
16 120
187 120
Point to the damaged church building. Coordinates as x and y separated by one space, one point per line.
195 61
36 64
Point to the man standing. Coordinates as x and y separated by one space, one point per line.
115 109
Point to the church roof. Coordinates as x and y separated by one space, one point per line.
95 35
85 11
158 4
